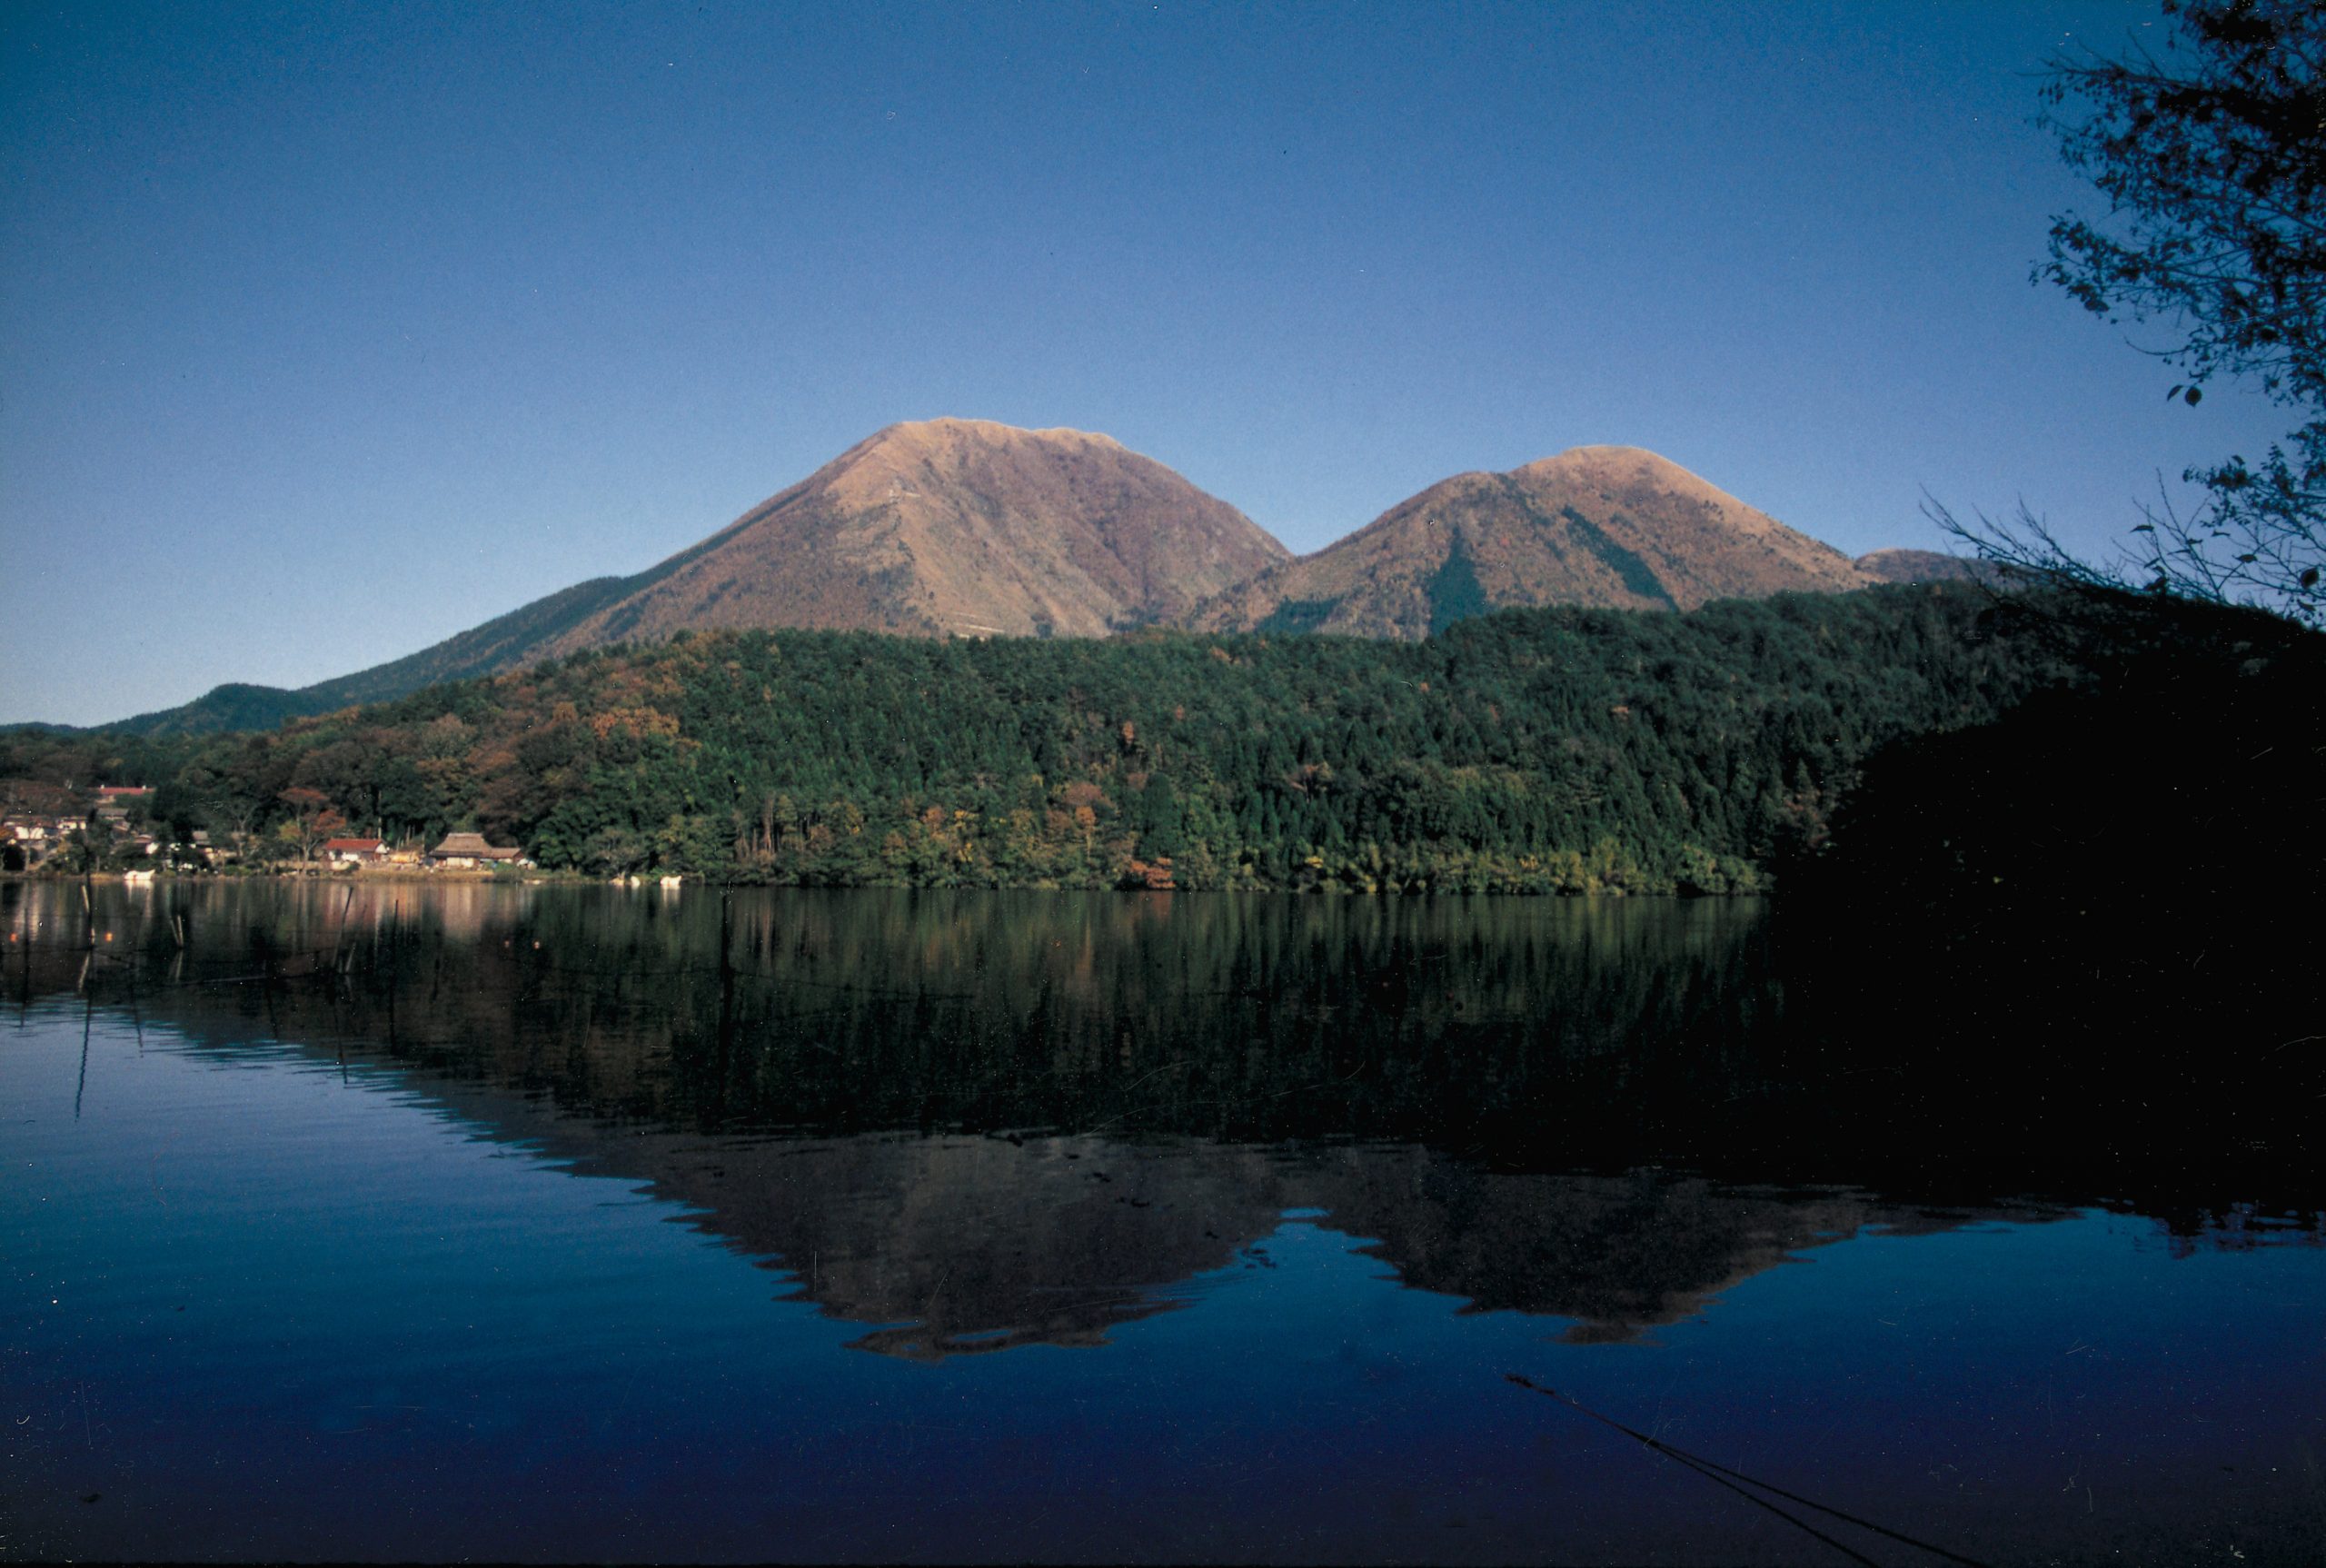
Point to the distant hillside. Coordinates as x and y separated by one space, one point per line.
1607 526
233 705
506 642
1925 566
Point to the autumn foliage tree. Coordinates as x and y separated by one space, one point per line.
310 818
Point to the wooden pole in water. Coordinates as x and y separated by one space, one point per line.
396 941
726 997
1721 1476
136 1019
339 928
88 1016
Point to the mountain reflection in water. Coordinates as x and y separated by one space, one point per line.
954 1244
969 1122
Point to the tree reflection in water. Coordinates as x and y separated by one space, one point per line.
971 1122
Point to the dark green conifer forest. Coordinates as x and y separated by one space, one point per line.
1531 752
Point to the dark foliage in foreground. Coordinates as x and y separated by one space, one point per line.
2111 876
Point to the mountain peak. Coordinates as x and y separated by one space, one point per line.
947 431
942 527
1614 526
1622 465
1591 453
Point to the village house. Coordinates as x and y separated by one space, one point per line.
467 851
114 800
354 851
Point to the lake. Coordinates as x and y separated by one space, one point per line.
401 1221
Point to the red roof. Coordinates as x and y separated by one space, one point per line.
110 790
361 843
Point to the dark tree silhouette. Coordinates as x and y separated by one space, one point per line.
2213 160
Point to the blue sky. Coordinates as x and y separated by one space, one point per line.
326 331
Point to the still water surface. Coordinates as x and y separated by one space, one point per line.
424 1223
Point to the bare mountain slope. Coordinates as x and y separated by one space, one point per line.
953 526
1599 525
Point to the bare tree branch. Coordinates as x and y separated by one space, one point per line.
2214 162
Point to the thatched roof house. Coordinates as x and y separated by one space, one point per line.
466 849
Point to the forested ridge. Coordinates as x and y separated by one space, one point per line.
1550 751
